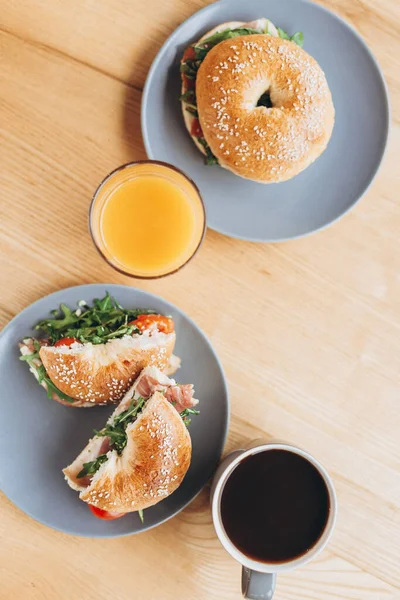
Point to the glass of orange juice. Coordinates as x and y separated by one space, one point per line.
147 219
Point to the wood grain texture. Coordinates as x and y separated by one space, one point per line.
308 331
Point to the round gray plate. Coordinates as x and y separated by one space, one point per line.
39 436
328 188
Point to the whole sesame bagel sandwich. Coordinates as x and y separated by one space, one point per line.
142 454
254 102
92 355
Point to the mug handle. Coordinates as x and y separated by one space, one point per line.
256 585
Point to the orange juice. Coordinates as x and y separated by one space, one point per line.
147 219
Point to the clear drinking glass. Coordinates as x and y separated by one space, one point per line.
147 219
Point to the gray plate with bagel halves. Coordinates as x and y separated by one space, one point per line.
324 191
40 436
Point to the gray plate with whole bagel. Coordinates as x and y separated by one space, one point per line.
40 436
327 189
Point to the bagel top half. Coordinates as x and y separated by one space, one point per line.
268 144
256 142
101 373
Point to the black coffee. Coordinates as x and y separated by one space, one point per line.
274 506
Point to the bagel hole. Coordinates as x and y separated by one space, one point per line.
265 100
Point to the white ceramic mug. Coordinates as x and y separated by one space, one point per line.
259 578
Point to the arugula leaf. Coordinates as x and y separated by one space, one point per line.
104 304
188 96
298 38
188 69
189 411
220 36
210 159
90 468
117 304
105 320
117 437
131 412
202 48
42 375
36 345
117 430
62 320
185 415
283 34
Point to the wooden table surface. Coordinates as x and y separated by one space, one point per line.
308 331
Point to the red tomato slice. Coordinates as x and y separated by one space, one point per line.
189 84
196 130
189 54
66 342
104 514
164 324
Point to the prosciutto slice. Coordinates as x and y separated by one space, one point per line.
181 396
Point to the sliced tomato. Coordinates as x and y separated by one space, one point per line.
196 130
104 514
164 324
66 341
189 54
189 84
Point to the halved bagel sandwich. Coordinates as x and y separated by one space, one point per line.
92 355
142 454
